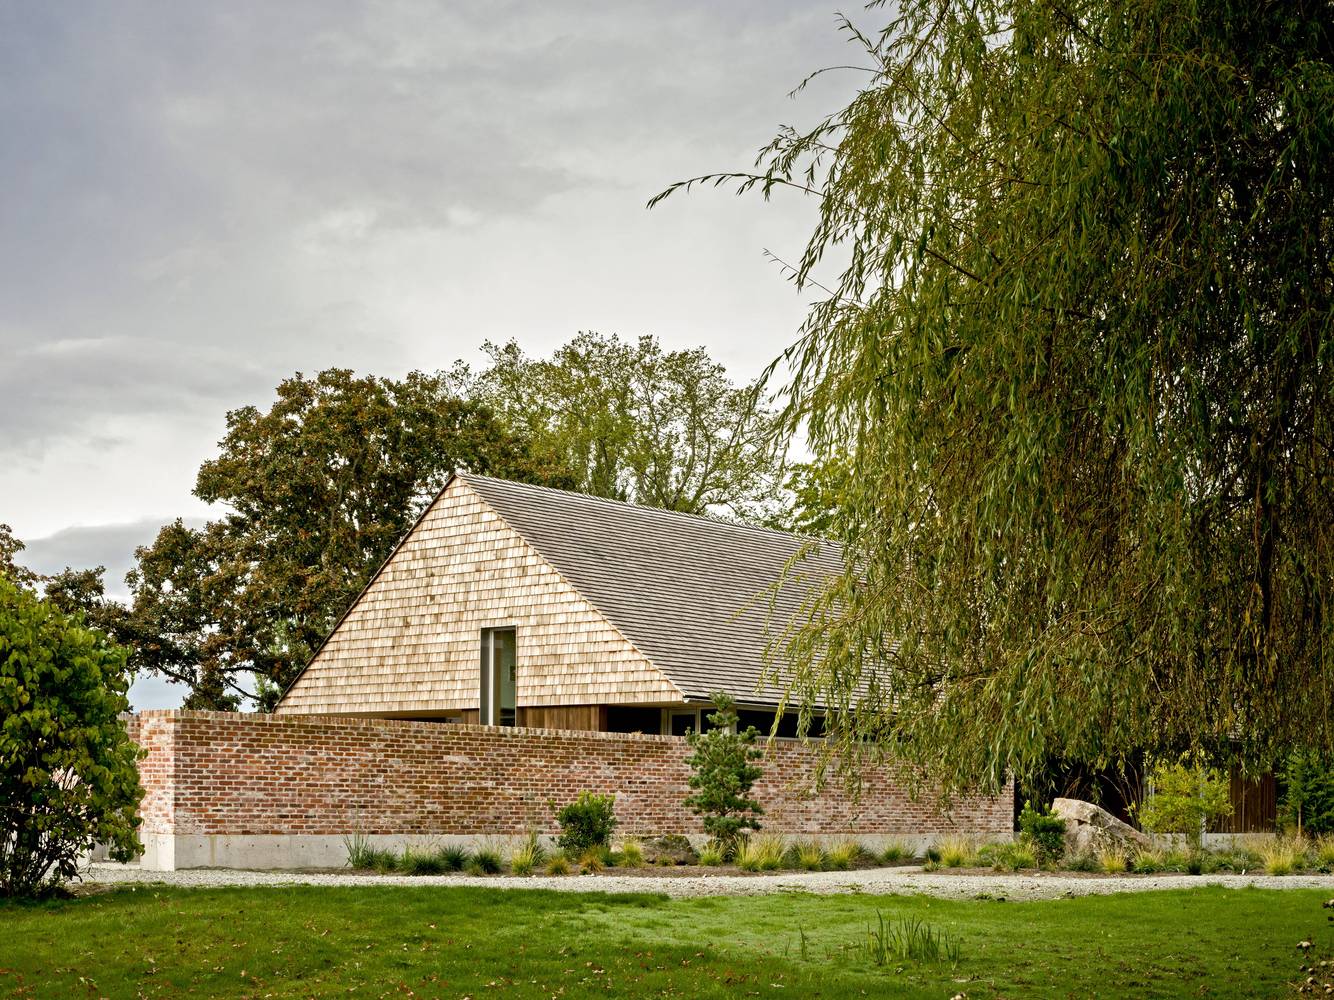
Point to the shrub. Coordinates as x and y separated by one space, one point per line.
894 852
1282 855
558 864
843 855
1080 863
1307 805
955 852
1043 831
632 854
67 767
724 773
710 855
810 856
586 822
418 862
1185 797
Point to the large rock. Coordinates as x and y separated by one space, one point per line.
1090 828
672 849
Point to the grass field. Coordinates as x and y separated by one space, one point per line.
463 942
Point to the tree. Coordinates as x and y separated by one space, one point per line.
633 422
68 778
10 547
1307 803
1080 358
723 761
318 488
1184 797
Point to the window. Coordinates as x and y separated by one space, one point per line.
633 719
499 649
787 726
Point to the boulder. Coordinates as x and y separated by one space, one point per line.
672 849
1090 828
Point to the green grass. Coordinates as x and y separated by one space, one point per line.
380 941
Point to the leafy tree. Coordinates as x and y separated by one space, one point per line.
634 422
1184 797
1307 804
10 547
816 490
68 778
1080 358
318 489
723 761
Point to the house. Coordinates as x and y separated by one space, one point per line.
516 605
520 646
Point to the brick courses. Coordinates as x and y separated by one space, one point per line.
215 773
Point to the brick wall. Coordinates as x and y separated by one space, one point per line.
212 773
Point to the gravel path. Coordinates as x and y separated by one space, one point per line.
874 880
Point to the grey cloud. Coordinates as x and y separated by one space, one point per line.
86 546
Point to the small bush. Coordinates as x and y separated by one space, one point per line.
710 855
810 856
586 822
1113 860
1282 856
558 864
1081 863
1043 831
414 861
453 857
894 852
956 852
843 855
1186 796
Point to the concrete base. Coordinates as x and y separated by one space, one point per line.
171 852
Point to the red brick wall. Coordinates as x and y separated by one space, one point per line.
220 773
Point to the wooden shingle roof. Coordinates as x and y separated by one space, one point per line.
691 593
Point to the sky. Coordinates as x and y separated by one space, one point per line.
199 199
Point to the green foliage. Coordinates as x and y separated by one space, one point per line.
527 856
484 861
810 856
318 489
1185 797
453 857
1007 856
1081 357
1307 804
632 854
68 776
956 852
1043 831
760 854
633 422
558 864
722 760
711 855
894 852
587 822
909 939
415 861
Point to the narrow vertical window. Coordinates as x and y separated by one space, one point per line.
499 659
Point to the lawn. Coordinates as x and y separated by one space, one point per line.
465 942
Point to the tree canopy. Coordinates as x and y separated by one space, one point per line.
1080 359
634 422
317 490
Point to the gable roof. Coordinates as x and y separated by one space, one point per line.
690 592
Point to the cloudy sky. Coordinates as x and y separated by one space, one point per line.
198 199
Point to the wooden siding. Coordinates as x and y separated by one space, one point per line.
584 718
411 641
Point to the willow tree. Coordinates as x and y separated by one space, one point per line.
1079 356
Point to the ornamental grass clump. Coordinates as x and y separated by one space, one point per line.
711 855
894 852
558 864
843 855
631 854
810 856
415 861
1113 860
760 854
453 858
592 861
527 856
1282 855
485 861
956 852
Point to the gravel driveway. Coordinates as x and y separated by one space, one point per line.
874 880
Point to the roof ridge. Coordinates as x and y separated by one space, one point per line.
656 511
